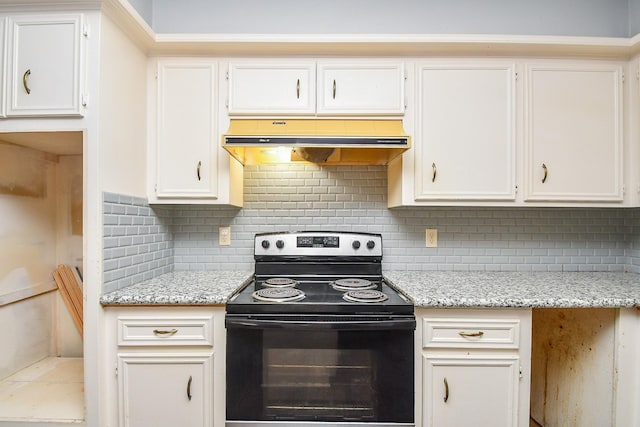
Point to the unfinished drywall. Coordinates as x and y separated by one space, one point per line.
28 217
28 335
27 255
572 367
41 199
69 197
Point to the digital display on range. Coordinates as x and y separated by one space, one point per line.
318 242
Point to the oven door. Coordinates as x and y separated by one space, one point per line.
320 370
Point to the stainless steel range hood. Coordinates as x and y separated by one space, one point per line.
345 142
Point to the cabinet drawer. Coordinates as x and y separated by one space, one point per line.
154 331
471 333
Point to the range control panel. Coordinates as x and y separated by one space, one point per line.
309 243
318 241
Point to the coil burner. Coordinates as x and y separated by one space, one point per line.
280 282
353 284
286 294
365 295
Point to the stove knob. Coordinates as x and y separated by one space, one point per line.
371 244
355 244
279 244
265 244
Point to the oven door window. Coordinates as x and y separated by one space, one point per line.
295 375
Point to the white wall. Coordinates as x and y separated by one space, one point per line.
542 17
123 100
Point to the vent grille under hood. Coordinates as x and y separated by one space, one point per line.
345 142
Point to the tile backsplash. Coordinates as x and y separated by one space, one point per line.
353 198
137 241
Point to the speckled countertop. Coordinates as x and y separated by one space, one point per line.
180 288
426 289
505 289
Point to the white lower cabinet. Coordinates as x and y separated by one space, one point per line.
165 390
168 366
474 367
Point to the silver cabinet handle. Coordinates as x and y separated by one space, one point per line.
198 170
25 83
435 172
298 89
189 387
471 334
164 332
334 89
446 390
546 171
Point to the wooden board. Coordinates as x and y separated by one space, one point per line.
70 287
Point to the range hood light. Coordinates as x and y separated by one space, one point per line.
279 154
322 141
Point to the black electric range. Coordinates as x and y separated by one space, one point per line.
318 272
318 338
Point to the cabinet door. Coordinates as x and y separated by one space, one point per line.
465 145
480 391
574 132
186 138
165 390
272 88
361 88
46 57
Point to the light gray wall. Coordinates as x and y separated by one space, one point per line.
634 17
144 8
610 18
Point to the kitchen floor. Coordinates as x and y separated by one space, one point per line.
51 390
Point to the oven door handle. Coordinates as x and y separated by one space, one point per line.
340 325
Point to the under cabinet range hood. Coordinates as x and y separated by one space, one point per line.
331 142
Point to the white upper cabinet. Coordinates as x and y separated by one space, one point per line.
46 54
574 132
465 143
283 87
500 132
360 88
186 131
186 162
268 88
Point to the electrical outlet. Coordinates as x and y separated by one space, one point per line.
432 238
224 236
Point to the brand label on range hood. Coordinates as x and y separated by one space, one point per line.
363 142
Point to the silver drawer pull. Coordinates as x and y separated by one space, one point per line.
471 334
165 333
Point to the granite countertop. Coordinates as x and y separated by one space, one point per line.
181 288
426 289
506 289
